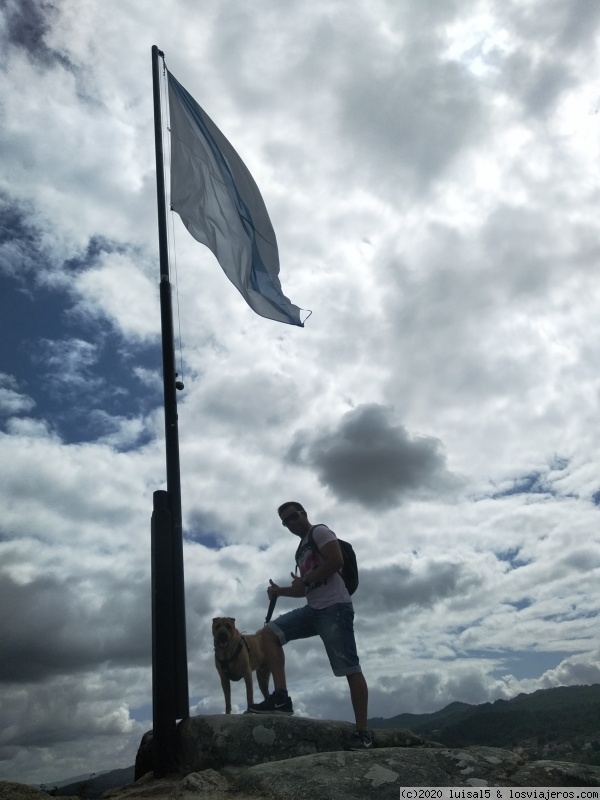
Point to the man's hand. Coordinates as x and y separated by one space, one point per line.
298 587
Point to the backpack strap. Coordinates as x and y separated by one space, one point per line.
315 548
311 543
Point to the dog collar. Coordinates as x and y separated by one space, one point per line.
225 661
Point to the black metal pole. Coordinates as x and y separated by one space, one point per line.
171 427
164 731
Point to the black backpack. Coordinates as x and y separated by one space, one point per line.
349 571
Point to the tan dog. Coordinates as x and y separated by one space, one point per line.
236 656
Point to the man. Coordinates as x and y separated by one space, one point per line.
328 613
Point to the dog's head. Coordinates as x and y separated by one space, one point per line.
223 630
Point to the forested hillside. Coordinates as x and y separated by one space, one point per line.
562 723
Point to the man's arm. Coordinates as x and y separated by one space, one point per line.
333 561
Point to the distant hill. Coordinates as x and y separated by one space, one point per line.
563 722
90 788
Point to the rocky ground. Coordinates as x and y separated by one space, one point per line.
248 757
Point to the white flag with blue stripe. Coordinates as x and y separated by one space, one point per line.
221 206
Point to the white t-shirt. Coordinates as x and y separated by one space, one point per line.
333 589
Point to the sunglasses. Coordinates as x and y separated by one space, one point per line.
290 518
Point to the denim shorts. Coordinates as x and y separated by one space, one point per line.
335 626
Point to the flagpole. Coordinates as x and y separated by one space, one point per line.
177 689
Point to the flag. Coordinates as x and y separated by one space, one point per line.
221 206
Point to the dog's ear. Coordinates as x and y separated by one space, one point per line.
232 620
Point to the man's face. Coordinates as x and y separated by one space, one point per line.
295 521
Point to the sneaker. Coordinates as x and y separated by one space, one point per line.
274 704
361 740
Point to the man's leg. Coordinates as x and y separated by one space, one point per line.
275 658
279 701
336 628
297 624
359 694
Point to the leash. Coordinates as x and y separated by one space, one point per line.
271 609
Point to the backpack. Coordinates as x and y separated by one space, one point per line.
349 571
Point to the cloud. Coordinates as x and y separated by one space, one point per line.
394 588
53 627
413 107
578 670
27 24
132 310
11 400
367 459
21 249
67 362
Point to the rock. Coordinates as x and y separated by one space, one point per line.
380 773
479 766
295 758
249 739
207 784
147 787
351 776
9 790
143 759
297 755
344 775
248 757
209 780
556 773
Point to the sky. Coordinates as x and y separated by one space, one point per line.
431 173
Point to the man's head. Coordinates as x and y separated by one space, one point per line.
293 516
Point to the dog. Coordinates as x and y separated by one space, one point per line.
236 657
